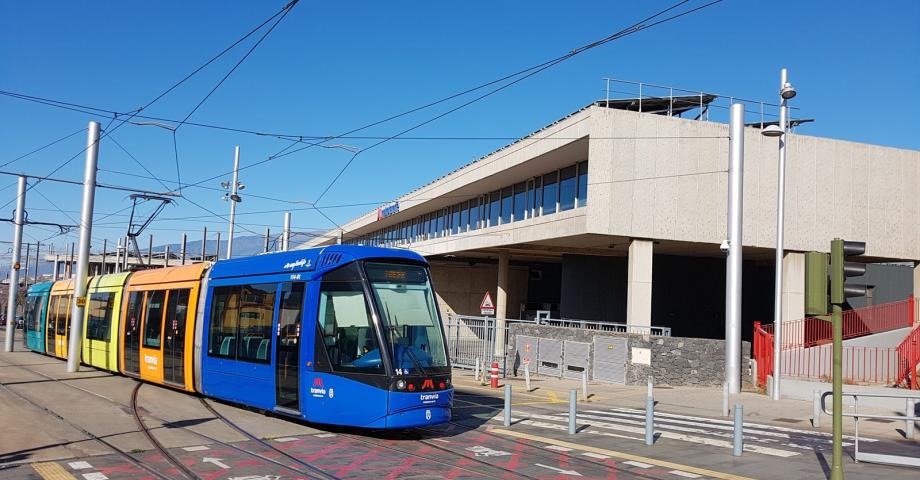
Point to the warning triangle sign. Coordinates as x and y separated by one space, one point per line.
487 307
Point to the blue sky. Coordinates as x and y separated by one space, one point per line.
332 66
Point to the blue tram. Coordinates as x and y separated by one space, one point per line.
343 335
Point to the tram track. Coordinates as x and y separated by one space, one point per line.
313 471
90 436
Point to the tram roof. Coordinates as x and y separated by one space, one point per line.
108 281
40 288
316 261
181 273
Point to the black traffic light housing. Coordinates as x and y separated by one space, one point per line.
841 269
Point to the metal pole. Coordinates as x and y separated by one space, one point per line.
584 385
184 244
125 255
649 421
117 257
105 246
204 244
837 372
38 248
724 399
70 263
911 412
233 196
150 250
733 262
780 205
57 268
166 256
86 235
507 405
267 233
25 278
14 266
286 238
738 446
816 410
573 402
217 252
527 377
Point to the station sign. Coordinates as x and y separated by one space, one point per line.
487 307
384 212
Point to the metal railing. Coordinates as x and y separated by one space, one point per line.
910 417
471 338
909 359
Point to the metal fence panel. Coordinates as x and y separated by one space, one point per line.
525 348
549 357
469 339
575 358
610 357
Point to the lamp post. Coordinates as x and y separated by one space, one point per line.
786 92
234 198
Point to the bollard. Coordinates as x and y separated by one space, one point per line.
724 399
527 377
573 399
816 410
507 405
476 369
493 379
911 412
649 420
584 385
648 393
739 430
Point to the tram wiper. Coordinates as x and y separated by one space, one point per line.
396 344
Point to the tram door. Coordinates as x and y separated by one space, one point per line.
174 344
287 347
132 323
62 326
49 325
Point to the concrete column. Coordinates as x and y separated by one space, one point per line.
639 283
501 301
917 292
793 297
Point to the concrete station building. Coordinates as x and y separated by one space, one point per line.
612 214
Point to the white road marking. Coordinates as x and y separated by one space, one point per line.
285 439
684 474
561 471
481 451
637 464
596 455
95 476
551 426
324 435
196 448
674 436
216 461
79 465
557 448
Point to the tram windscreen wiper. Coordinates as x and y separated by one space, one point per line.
396 343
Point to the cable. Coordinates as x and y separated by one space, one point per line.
42 148
132 157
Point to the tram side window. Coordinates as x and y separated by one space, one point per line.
345 325
63 311
153 319
100 316
176 309
33 313
241 322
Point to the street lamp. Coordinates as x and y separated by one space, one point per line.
786 92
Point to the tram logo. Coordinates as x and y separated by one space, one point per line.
428 383
318 390
428 397
427 414
303 262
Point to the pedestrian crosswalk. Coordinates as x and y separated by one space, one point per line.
628 423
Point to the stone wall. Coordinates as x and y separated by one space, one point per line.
674 361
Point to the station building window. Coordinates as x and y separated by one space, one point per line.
99 316
556 191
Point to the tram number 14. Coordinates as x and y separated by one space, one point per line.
402 371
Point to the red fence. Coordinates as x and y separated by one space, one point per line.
763 353
909 359
858 322
861 364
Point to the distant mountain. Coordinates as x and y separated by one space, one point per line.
242 246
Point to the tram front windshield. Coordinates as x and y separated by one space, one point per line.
409 317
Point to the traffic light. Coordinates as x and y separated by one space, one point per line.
815 283
841 269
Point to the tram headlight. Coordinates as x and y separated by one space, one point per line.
400 384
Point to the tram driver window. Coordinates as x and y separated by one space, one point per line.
345 325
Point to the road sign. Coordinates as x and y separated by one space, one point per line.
487 307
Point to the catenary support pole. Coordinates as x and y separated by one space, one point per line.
105 248
733 263
150 250
204 244
780 214
233 199
25 277
725 399
86 235
56 272
166 256
286 238
267 236
38 249
217 252
70 264
13 296
184 246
